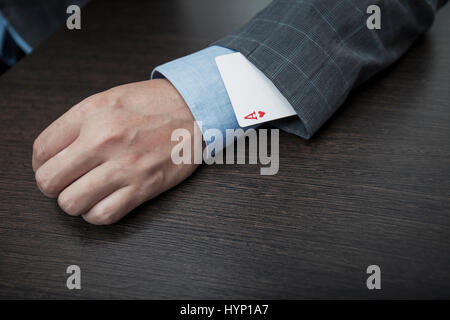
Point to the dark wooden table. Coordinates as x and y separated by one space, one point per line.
372 187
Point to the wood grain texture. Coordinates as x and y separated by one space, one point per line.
372 187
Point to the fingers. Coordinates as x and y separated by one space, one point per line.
91 188
113 207
65 167
60 134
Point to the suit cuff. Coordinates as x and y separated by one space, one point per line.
197 79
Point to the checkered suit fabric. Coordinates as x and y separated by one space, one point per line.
316 51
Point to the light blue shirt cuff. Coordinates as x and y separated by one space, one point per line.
198 80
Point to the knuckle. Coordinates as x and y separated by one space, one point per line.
68 205
100 217
156 183
108 137
159 178
38 150
131 159
126 166
97 100
44 183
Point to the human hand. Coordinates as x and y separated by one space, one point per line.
112 151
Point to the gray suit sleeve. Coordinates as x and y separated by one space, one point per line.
316 51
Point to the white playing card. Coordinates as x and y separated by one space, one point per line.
254 97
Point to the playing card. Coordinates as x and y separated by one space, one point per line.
254 98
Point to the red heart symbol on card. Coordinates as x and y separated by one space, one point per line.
261 114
